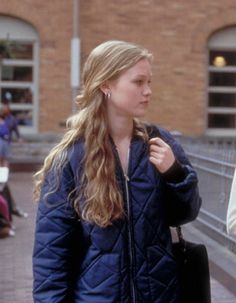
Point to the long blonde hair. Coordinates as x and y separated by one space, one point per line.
103 200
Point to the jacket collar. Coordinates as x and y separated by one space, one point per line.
138 147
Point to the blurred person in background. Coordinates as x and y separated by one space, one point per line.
4 141
231 212
6 224
12 124
5 214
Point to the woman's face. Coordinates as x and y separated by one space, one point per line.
131 92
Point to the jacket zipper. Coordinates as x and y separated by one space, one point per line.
130 240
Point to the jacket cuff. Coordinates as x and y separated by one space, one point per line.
175 174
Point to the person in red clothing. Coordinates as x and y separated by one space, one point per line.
6 226
11 126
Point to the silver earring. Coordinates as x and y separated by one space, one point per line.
108 95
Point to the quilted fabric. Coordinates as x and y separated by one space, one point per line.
128 262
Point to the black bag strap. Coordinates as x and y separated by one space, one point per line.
180 234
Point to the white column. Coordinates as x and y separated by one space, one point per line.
75 55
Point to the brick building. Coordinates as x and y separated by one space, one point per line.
193 43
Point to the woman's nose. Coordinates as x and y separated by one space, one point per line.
147 90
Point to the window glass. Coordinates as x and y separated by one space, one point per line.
222 58
221 121
24 117
222 100
17 73
222 79
16 50
17 95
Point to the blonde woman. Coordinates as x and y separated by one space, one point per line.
109 191
231 213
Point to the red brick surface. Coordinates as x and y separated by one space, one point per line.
175 31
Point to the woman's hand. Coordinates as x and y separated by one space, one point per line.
161 154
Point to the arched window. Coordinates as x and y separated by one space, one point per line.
222 83
19 70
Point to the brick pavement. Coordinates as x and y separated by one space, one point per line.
220 294
15 253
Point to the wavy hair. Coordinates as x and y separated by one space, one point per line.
102 199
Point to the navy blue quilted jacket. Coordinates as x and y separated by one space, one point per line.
128 262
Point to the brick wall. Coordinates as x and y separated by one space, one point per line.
53 21
175 31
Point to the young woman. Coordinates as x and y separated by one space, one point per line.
109 191
231 213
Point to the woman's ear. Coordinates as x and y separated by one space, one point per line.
105 88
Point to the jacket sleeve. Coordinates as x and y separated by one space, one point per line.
56 238
231 212
182 195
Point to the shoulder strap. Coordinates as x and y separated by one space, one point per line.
180 234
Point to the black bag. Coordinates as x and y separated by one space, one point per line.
193 268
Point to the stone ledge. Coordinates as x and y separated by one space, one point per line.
29 156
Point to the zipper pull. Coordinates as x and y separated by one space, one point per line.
126 177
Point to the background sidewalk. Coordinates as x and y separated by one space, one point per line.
16 252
